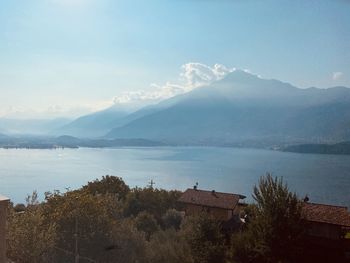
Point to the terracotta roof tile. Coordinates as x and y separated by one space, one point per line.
330 214
210 198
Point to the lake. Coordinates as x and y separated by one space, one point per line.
325 178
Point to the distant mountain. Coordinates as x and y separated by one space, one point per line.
3 136
31 126
93 125
44 142
338 148
243 108
97 124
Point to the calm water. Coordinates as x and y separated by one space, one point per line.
325 178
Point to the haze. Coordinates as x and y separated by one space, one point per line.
61 58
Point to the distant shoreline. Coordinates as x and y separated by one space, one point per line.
334 149
330 149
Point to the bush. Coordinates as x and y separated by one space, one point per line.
172 219
204 236
168 246
146 223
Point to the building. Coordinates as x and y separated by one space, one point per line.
327 227
326 221
223 206
4 201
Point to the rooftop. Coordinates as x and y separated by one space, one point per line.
330 214
4 198
210 198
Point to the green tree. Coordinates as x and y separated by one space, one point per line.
275 226
154 201
172 218
146 223
205 238
168 246
108 185
30 237
96 222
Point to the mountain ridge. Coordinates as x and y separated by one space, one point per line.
244 108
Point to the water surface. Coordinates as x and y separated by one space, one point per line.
325 178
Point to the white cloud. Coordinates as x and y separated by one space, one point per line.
197 74
193 75
337 75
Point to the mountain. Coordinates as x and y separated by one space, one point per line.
337 148
31 126
3 136
243 108
93 125
99 123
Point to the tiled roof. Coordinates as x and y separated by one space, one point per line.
210 198
330 214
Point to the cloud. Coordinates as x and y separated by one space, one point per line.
337 75
192 75
157 93
197 74
54 111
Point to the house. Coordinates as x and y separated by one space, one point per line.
4 201
223 206
326 221
327 226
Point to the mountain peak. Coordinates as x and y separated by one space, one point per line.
240 75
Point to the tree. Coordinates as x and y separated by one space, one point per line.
154 201
275 225
168 246
108 185
30 237
146 223
96 223
204 236
172 218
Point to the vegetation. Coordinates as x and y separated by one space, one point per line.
338 148
106 221
274 226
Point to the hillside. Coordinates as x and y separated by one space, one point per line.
243 108
338 148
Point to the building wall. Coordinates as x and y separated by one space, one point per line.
324 230
3 208
219 213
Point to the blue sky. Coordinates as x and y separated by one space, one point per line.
63 57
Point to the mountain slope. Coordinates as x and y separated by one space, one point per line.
93 125
242 107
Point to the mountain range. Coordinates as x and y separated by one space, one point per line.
243 108
240 109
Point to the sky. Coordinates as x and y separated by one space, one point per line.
70 57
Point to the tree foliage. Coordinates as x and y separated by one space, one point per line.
205 238
154 201
168 246
109 222
31 238
108 185
275 225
